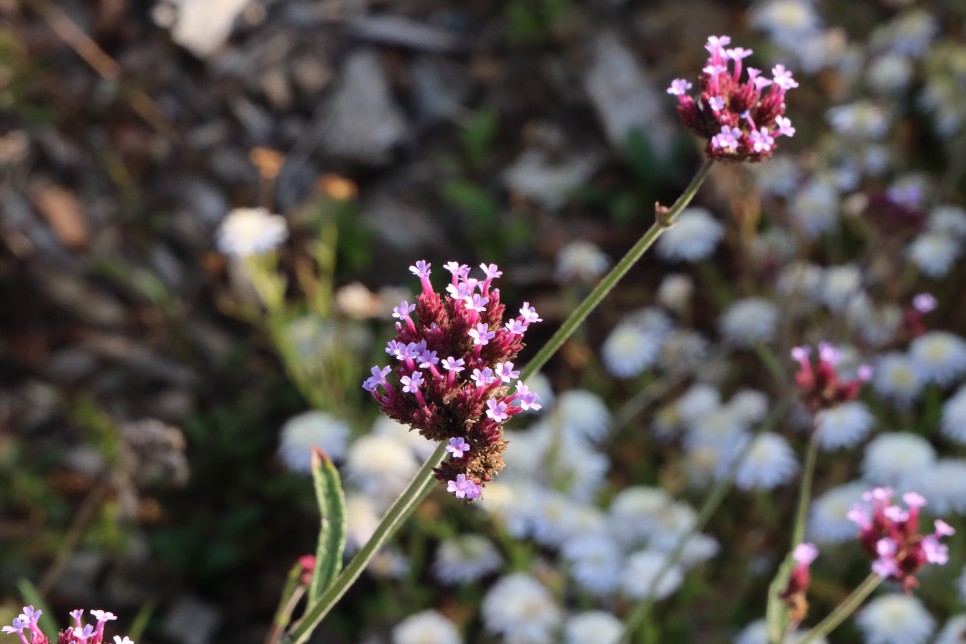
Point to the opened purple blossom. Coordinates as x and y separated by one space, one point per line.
462 399
739 117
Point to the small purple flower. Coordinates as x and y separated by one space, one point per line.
84 633
679 87
371 384
453 364
77 614
403 310
924 303
483 377
785 126
492 271
516 326
481 334
421 269
497 410
728 139
715 70
458 447
123 640
716 103
761 141
392 347
528 399
505 371
476 302
529 314
805 553
865 372
427 359
783 77
463 488
459 271
828 353
738 53
411 383
717 43
17 626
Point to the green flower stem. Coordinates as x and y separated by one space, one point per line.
805 493
663 222
708 508
401 508
843 610
423 482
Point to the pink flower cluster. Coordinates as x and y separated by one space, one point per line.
891 536
26 627
456 379
819 383
740 119
799 581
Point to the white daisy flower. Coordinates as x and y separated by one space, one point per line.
582 413
889 73
465 558
828 518
748 406
629 350
250 231
522 610
897 378
757 633
596 562
844 425
940 356
768 463
427 627
580 469
552 518
720 428
311 429
707 463
947 220
749 321
593 626
859 120
934 253
582 261
840 284
942 484
692 237
895 619
676 290
672 525
380 466
876 325
815 207
954 417
421 446
635 510
786 21
953 632
640 574
697 402
800 285
682 350
891 458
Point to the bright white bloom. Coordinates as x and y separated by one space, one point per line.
828 519
720 429
697 402
682 350
748 406
749 321
954 417
421 446
943 484
672 525
860 120
891 458
629 350
692 238
311 429
596 562
250 231
520 609
786 21
593 626
640 574
380 466
889 73
676 289
427 627
895 619
934 253
635 510
707 463
841 283
552 517
582 413
581 261
940 356
897 378
952 632
757 633
768 463
844 425
948 220
815 207
579 469
465 558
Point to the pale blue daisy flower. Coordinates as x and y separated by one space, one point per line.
940 356
954 417
520 609
934 253
897 378
768 463
640 574
693 236
312 429
596 561
943 483
843 425
891 458
427 627
465 558
952 632
593 626
748 321
828 518
582 413
895 619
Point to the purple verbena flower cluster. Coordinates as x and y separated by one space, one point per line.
891 536
26 627
820 383
799 581
739 118
454 369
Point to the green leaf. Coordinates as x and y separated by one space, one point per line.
328 493
776 616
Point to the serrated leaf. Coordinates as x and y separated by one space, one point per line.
332 529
